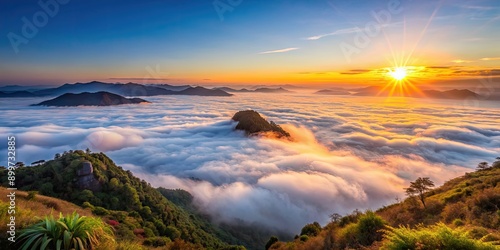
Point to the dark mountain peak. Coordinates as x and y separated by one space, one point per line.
332 92
272 90
201 91
252 123
129 89
22 93
90 99
451 94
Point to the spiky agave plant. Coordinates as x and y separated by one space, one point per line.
70 232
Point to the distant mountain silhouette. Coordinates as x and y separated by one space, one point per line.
127 89
201 91
271 90
17 94
171 87
258 90
14 88
90 99
451 94
457 94
370 90
252 123
332 92
227 89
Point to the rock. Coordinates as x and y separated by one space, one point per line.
86 178
252 123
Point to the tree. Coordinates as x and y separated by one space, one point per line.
368 228
312 229
335 217
419 187
482 166
496 163
87 151
172 232
271 241
57 156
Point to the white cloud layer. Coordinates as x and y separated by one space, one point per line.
348 152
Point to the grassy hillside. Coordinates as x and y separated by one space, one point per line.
32 208
136 210
461 214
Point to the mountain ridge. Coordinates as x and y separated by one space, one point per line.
101 98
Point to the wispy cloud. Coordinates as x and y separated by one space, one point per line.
461 61
355 72
490 58
350 30
476 7
279 51
337 32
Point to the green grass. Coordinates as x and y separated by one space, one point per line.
68 232
438 236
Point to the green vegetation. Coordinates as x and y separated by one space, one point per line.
271 241
312 229
461 214
70 232
139 210
473 198
419 187
438 236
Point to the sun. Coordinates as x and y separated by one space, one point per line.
398 73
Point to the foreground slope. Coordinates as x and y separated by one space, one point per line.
141 211
464 213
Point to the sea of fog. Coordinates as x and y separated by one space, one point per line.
347 153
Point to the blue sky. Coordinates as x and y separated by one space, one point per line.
188 41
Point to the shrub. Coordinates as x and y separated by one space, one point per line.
157 241
31 195
100 211
488 200
70 232
347 237
438 236
455 211
304 238
87 205
312 229
173 233
52 204
478 232
271 241
148 232
129 246
369 228
458 222
113 223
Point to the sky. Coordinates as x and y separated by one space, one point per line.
247 41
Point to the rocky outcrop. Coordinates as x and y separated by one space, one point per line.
252 123
86 178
